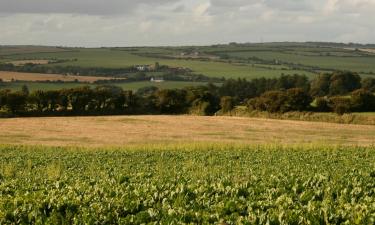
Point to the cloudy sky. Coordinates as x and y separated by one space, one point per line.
183 22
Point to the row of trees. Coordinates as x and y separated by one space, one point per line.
337 83
104 100
287 93
296 99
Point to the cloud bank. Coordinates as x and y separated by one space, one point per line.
183 22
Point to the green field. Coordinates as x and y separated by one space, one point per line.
119 59
187 184
245 60
33 86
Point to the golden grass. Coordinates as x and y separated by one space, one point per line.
35 61
134 130
8 76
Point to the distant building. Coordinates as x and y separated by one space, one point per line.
157 80
142 67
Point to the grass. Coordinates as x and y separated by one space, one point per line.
187 184
118 59
363 118
353 63
126 86
242 61
129 130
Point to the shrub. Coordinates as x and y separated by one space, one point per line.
340 105
362 100
226 104
298 99
273 101
321 104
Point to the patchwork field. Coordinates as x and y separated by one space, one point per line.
125 130
8 76
230 61
187 169
33 86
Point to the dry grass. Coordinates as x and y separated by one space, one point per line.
23 62
370 50
126 130
8 76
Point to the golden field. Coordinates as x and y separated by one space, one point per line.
128 130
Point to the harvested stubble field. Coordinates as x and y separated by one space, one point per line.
7 76
129 130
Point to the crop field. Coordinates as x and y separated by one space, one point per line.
8 76
184 169
133 130
245 61
33 86
187 184
20 50
118 59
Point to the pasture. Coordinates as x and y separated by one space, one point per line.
133 130
229 61
108 58
33 86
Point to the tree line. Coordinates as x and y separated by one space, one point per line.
127 74
339 92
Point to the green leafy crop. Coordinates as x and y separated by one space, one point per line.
185 184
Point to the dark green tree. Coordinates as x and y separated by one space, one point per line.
320 85
25 90
368 84
298 99
362 100
226 104
342 83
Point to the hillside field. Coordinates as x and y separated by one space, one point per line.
133 130
33 86
230 61
8 76
185 169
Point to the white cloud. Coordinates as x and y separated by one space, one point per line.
171 22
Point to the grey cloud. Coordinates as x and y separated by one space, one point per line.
290 5
90 7
183 22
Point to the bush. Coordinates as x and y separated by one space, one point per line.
226 104
298 99
340 105
362 100
321 104
273 101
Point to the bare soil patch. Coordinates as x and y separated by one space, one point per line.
125 130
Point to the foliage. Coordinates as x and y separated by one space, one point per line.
189 184
340 105
321 104
362 100
242 89
338 83
294 99
226 104
368 84
298 99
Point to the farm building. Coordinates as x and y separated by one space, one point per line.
157 80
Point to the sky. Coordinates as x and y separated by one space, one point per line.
96 23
